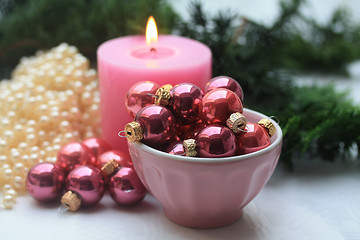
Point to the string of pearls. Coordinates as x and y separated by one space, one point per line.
52 99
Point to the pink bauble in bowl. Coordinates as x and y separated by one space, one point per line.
206 192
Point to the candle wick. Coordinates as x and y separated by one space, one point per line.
153 50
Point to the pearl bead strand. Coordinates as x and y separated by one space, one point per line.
51 99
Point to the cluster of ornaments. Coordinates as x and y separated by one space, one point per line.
82 173
185 120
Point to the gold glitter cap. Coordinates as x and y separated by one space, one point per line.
190 147
134 132
162 95
109 168
71 201
266 123
236 122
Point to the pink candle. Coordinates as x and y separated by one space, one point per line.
124 61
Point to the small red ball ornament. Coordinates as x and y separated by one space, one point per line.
126 188
153 125
122 158
85 187
176 148
74 154
45 182
255 136
139 96
225 82
218 104
185 102
216 141
97 145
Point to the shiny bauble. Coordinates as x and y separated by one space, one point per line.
74 154
185 102
218 104
126 188
255 138
88 183
176 148
158 124
216 141
225 82
122 158
97 145
139 96
45 182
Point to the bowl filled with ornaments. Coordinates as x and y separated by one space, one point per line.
199 152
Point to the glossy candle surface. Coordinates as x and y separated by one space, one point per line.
124 61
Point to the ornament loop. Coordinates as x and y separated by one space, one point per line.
243 130
275 118
120 134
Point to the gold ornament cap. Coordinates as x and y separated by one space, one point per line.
71 201
109 168
162 95
236 122
134 132
190 147
266 123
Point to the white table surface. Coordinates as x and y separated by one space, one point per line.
316 201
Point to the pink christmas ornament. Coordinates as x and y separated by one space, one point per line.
225 82
176 148
185 102
74 154
85 186
122 158
139 96
216 141
126 188
97 145
153 125
256 136
218 104
45 182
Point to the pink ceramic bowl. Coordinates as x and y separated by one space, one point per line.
206 192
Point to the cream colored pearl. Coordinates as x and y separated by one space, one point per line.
3 159
19 169
8 202
34 149
19 183
23 146
12 193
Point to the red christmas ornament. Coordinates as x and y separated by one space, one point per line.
126 188
73 155
122 158
255 136
85 187
45 182
216 141
225 82
218 104
185 102
176 148
97 145
154 126
139 96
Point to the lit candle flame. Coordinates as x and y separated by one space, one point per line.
151 31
